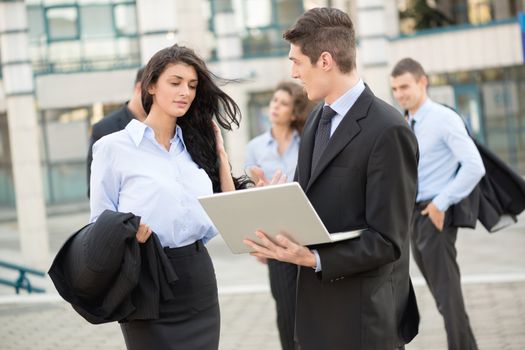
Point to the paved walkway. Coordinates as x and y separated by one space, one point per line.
493 267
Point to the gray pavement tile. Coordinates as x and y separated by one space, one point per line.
497 323
248 322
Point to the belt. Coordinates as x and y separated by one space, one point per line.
189 249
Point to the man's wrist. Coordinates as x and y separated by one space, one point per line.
440 203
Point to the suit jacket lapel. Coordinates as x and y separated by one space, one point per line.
307 146
344 134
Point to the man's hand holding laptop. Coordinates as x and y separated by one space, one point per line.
282 249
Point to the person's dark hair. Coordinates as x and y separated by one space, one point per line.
325 29
210 102
408 65
138 77
301 105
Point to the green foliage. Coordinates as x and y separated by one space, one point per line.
425 16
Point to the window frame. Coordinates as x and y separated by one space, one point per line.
49 37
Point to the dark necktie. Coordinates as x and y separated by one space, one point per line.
412 123
322 136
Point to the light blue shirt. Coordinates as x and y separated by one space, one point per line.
132 172
444 145
341 106
263 152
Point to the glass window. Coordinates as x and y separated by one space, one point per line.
90 2
65 167
35 19
5 152
39 54
417 15
288 11
258 112
62 23
96 21
310 4
84 36
129 49
257 13
222 6
65 56
99 49
260 24
58 2
494 96
479 11
125 19
520 130
7 188
267 41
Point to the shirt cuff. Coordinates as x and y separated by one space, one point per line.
441 203
317 260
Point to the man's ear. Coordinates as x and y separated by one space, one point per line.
138 88
325 60
423 80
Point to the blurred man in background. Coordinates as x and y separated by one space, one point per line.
117 120
450 166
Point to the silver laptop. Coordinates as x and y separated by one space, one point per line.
272 209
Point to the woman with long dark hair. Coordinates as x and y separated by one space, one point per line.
156 170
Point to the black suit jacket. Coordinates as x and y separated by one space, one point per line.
499 195
107 275
113 122
366 179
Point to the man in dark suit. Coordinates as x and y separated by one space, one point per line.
117 120
450 167
358 166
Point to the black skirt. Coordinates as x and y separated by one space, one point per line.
192 320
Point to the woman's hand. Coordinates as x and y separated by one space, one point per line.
257 175
143 233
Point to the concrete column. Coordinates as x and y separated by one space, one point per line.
162 23
377 20
229 45
23 133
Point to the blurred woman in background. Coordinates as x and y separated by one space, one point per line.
270 154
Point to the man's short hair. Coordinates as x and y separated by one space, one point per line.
325 29
408 65
138 77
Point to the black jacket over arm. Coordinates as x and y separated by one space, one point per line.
496 200
107 275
